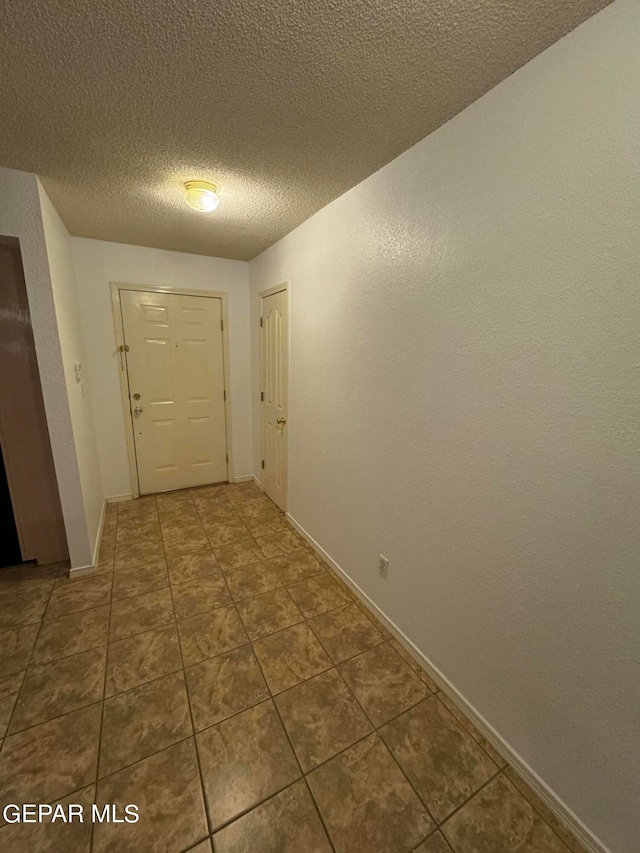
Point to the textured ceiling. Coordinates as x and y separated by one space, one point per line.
285 104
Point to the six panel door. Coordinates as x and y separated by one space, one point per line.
275 385
175 365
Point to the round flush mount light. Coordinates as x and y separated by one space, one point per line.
201 196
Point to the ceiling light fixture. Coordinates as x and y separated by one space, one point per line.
201 196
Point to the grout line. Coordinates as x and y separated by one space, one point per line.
193 727
24 675
104 690
441 823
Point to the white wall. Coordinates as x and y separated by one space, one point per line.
73 349
465 399
97 264
21 216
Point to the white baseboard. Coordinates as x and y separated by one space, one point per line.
79 571
245 478
548 797
257 482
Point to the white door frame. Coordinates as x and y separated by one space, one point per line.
270 291
116 287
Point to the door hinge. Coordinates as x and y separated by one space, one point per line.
263 463
225 394
222 325
260 322
262 396
227 457
124 347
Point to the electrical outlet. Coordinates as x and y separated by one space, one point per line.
383 565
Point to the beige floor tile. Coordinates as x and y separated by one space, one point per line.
50 836
366 802
195 597
383 683
9 689
183 537
189 568
493 754
317 594
56 688
226 533
217 513
436 843
144 577
280 543
15 648
286 823
253 739
203 847
547 815
141 613
269 612
242 491
252 579
258 508
141 658
413 663
48 761
79 594
345 632
143 721
290 656
296 566
499 818
264 526
204 496
166 788
146 549
138 532
224 685
443 761
238 554
371 616
68 635
142 507
18 608
178 502
210 634
322 718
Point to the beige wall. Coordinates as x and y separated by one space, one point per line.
465 399
24 214
97 263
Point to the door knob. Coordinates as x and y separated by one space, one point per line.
136 396
281 421
137 410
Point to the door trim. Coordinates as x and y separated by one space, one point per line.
116 287
263 294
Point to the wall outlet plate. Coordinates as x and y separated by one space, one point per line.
383 565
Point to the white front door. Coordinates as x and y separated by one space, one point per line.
175 366
275 395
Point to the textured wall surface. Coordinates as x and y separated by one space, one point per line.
72 335
97 264
464 399
286 104
21 216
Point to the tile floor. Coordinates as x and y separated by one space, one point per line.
216 674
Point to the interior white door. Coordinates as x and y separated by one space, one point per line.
275 395
175 366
